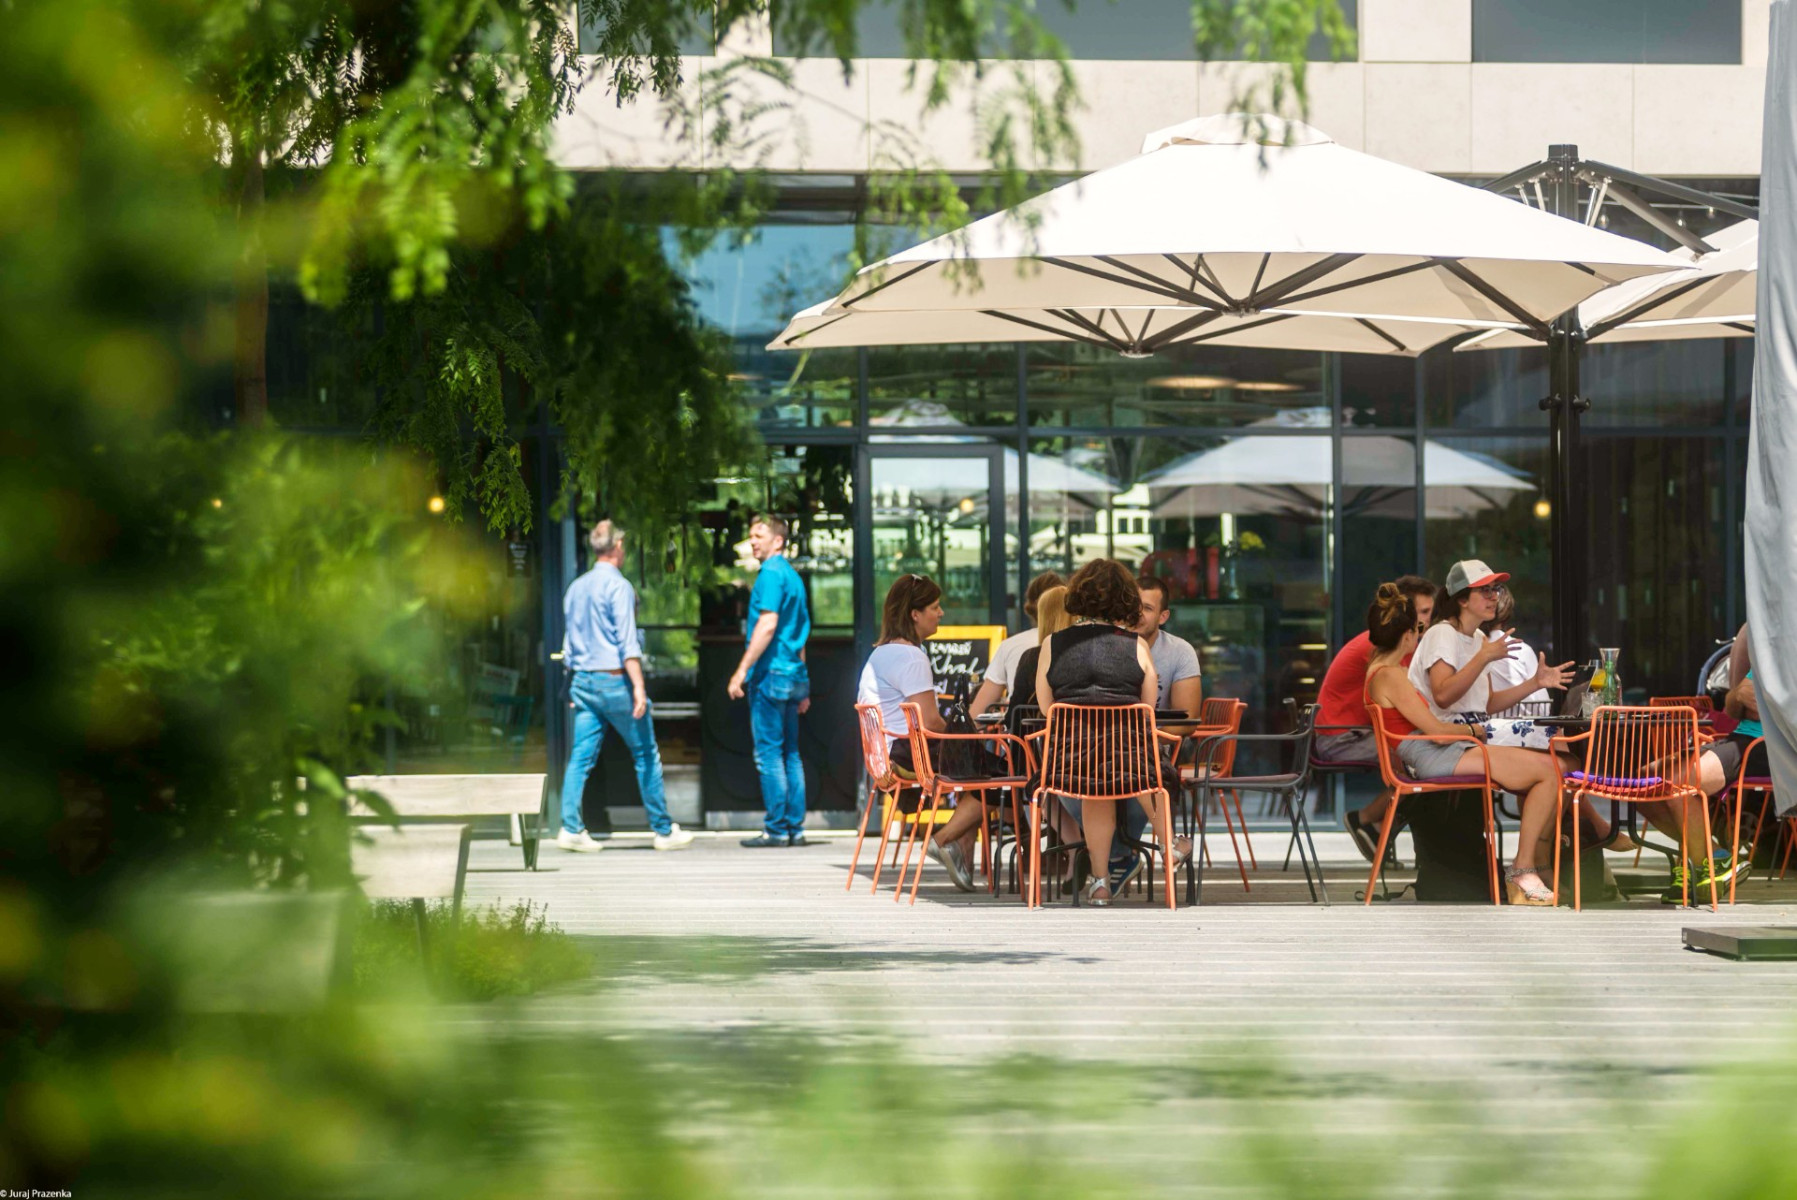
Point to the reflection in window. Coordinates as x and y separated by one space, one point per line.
1075 385
1656 383
1606 31
1235 525
1479 389
1658 570
914 387
1503 525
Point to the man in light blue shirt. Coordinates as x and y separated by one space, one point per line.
774 677
603 649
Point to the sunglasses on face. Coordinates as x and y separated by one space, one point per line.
1493 590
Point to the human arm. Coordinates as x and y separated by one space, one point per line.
1187 695
1545 677
1449 684
990 693
1044 693
929 709
1151 681
760 638
1740 658
630 643
1743 702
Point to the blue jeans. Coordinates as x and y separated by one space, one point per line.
601 700
774 721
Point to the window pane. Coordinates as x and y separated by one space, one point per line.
317 376
694 39
1236 527
1659 560
1501 519
1656 383
913 387
1073 384
1378 389
1606 31
1480 389
1378 519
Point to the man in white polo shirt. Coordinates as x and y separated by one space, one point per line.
1175 661
997 683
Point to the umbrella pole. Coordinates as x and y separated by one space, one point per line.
1570 531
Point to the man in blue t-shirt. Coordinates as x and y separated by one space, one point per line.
773 675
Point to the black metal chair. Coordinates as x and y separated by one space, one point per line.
1320 765
1291 786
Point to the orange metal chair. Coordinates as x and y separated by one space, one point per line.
1635 755
883 785
1701 705
1220 717
1745 783
1103 754
1401 785
936 784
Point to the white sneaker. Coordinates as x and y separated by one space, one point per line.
674 839
580 843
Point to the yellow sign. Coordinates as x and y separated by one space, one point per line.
963 649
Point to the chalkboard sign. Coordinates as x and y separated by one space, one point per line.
964 650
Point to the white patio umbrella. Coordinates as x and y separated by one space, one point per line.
818 328
1713 296
1271 474
1219 222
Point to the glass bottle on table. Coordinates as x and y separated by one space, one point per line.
1612 685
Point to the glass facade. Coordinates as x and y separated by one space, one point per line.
1273 490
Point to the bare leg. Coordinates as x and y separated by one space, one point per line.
1530 774
1374 813
1100 820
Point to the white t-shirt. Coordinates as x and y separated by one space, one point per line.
894 673
1445 643
1519 668
1004 659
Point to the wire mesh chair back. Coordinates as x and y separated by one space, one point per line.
1219 715
921 767
876 747
1100 752
1641 753
1702 705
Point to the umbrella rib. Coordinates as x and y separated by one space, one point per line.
1743 326
1104 340
1276 292
816 329
1646 306
1184 297
1178 328
884 284
1074 317
1260 274
1149 277
1473 280
1191 271
1395 343
1173 333
1359 281
1215 284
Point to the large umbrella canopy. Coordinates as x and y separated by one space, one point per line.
1292 475
1712 296
1231 217
818 327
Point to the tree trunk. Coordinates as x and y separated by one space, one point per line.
250 365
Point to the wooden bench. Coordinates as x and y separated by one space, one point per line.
416 863
523 798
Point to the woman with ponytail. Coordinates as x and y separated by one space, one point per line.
1393 629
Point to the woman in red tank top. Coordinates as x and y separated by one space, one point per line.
1392 626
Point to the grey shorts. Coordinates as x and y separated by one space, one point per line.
1432 760
1350 745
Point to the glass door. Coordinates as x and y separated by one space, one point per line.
935 510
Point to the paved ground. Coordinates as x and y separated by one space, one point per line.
722 937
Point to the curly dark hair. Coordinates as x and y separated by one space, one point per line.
1105 590
1390 616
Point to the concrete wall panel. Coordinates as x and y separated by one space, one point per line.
1416 31
1519 109
1420 115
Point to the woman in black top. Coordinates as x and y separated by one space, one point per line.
1101 661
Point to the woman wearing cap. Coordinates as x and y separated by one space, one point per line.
1450 664
1391 626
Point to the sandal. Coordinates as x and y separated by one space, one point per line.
1094 886
1524 894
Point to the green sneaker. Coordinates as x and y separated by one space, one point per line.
1721 868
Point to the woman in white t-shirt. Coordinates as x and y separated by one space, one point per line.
898 673
1520 667
1451 667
